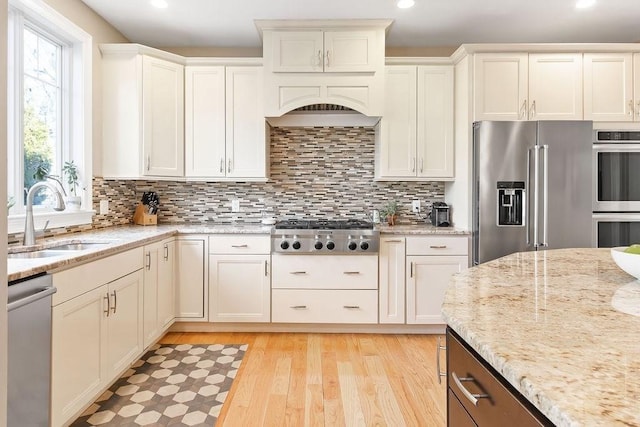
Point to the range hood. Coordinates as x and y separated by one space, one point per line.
325 115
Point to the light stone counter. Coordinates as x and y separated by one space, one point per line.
117 240
423 229
561 326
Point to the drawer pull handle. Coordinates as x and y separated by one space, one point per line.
115 302
438 246
473 398
393 241
299 307
439 348
298 272
239 246
351 307
351 272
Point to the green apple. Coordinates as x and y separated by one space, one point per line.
633 249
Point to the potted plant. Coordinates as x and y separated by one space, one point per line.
73 201
390 211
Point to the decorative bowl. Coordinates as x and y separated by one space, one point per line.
628 262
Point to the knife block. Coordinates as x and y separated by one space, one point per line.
141 217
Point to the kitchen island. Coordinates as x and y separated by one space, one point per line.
562 327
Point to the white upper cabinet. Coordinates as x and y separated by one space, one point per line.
415 140
225 134
324 51
520 86
143 114
609 87
636 85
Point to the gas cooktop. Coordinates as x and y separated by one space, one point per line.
323 224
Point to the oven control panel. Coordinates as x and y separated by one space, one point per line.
325 241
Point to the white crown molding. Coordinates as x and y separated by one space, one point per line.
135 49
418 60
235 61
321 24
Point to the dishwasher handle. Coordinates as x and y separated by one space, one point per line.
38 295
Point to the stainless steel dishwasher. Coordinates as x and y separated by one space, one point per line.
29 351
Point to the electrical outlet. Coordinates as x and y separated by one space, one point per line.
104 207
235 205
415 206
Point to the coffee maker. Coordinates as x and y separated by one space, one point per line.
440 215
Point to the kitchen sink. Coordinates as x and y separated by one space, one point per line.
81 246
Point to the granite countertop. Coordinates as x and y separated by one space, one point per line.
562 326
117 239
425 229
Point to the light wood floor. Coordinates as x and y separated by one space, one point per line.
331 380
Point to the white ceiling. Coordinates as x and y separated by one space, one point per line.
230 23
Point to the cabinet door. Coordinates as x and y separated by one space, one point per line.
435 122
392 280
297 51
151 327
124 323
636 85
427 281
240 288
397 155
608 87
555 86
163 118
245 123
78 342
166 285
190 279
500 86
204 122
349 51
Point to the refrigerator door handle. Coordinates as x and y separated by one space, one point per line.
536 194
545 195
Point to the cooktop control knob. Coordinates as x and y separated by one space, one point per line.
331 245
364 246
296 245
318 245
352 246
284 245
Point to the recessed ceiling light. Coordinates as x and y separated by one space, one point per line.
160 4
583 4
405 4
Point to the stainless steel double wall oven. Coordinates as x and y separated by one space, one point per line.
616 188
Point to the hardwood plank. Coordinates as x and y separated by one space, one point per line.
298 379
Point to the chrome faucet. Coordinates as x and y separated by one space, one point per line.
29 230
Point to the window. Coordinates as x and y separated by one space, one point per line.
49 111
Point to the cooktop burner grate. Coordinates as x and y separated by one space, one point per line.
324 224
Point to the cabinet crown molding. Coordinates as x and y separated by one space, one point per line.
467 49
321 24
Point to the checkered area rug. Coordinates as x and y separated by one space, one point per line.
170 385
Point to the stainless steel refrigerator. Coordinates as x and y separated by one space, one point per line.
532 186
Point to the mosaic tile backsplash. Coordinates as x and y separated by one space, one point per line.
314 171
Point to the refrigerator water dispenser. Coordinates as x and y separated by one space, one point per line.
511 203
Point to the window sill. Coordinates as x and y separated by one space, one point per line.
56 220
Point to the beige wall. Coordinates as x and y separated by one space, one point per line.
418 52
102 32
227 52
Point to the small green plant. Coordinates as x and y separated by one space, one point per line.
70 170
390 211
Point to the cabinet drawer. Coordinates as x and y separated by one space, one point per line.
78 280
239 244
324 306
324 272
437 245
502 407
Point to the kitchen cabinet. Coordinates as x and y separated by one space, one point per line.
191 287
324 51
392 279
521 86
159 289
239 278
97 329
415 139
143 114
497 403
430 263
225 132
612 87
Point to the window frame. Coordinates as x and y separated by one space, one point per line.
76 125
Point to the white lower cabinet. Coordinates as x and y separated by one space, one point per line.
191 289
159 289
239 278
325 306
97 329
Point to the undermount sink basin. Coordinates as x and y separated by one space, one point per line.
77 246
37 254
